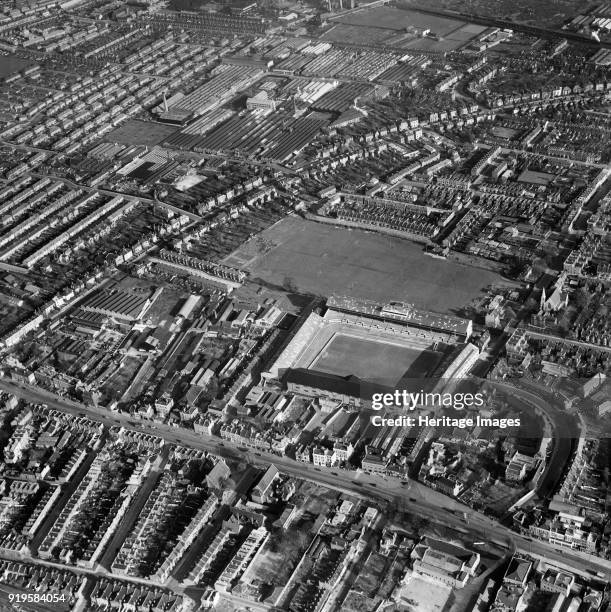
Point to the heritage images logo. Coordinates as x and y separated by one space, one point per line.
421 399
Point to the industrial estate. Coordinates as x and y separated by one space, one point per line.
305 305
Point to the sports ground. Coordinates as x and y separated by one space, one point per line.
12 63
327 260
140 132
374 25
373 350
379 362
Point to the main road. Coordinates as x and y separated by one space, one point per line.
412 496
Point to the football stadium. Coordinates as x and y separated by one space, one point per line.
357 348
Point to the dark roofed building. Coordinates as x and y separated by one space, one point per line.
444 562
262 493
518 571
218 475
347 389
118 304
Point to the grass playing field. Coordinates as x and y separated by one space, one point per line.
374 361
309 257
374 25
11 63
136 132
399 19
536 12
356 34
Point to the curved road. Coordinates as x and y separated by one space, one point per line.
565 431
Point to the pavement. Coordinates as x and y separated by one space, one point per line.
412 497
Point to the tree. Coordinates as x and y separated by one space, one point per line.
288 284
581 298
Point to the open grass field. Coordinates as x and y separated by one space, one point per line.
538 178
376 24
535 12
374 361
12 63
429 44
356 34
136 132
399 19
309 257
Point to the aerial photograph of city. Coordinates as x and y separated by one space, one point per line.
305 305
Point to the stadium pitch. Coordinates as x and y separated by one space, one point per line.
377 361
